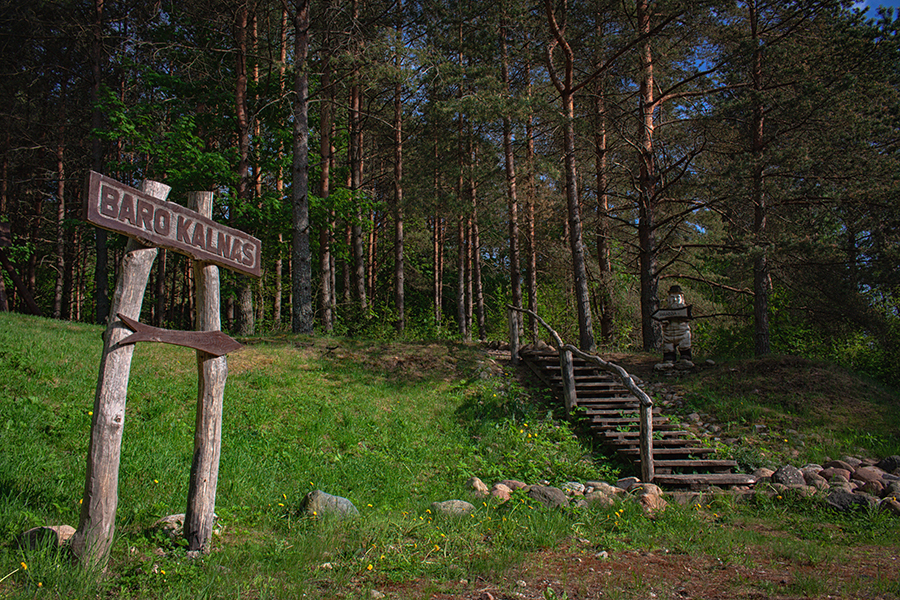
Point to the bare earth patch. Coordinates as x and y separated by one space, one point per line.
861 573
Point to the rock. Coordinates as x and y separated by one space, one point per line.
652 503
815 480
868 474
845 502
789 475
478 487
627 482
548 496
172 525
889 464
598 498
49 535
501 492
832 473
838 464
852 461
376 595
694 417
874 488
760 429
514 484
763 473
892 489
452 508
891 505
645 488
573 488
319 504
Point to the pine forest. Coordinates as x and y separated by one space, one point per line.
414 167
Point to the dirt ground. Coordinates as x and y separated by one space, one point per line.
862 573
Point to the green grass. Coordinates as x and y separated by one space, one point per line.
393 428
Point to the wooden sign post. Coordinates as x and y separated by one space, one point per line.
152 222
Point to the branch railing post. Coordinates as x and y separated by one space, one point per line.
646 403
567 371
513 337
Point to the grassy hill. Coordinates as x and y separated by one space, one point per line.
393 428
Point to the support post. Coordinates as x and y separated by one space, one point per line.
96 527
567 369
212 372
647 468
513 336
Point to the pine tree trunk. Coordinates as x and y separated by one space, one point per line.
649 278
60 211
607 310
101 277
302 317
761 286
399 266
511 192
246 324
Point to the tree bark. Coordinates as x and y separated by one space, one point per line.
246 323
649 278
399 266
511 191
761 287
93 538
607 310
301 259
60 209
212 372
564 86
101 277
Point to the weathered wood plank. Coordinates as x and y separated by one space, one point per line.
215 343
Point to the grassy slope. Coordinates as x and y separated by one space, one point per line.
391 427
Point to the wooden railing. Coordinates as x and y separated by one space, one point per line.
566 352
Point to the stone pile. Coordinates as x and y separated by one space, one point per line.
847 483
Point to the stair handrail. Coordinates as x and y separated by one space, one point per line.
646 403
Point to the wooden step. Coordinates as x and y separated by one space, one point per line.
661 452
701 480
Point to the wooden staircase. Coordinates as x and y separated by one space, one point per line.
611 412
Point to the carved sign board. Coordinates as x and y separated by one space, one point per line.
670 314
154 222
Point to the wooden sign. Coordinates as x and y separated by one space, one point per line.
214 343
154 222
671 314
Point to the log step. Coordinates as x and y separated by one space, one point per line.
703 479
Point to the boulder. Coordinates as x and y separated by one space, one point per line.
891 505
514 484
501 492
319 504
452 508
845 502
602 486
598 498
891 464
573 488
548 496
478 487
832 473
839 464
171 525
866 474
789 475
49 535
